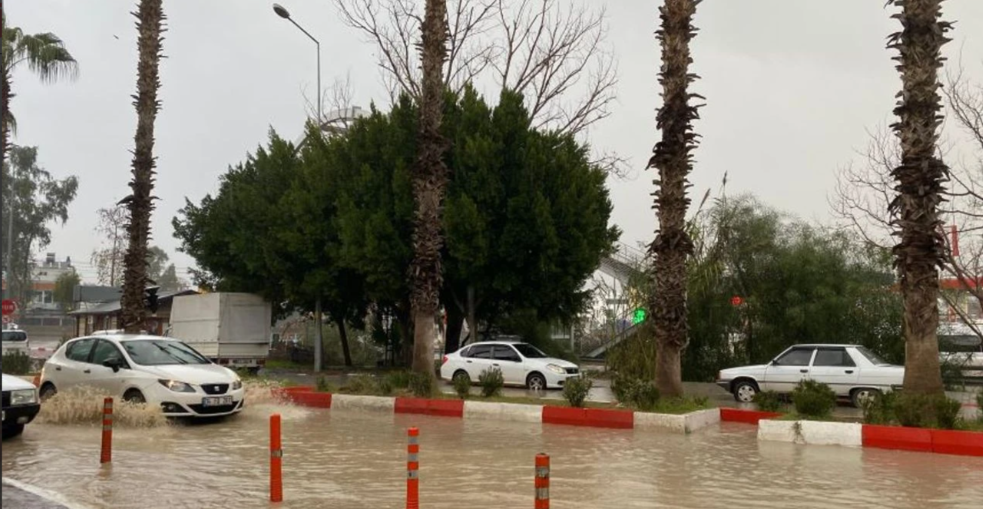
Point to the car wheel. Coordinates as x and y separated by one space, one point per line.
859 396
48 391
745 391
134 396
536 382
12 431
461 375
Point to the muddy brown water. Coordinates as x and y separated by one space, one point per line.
357 460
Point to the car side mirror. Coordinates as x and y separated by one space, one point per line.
114 364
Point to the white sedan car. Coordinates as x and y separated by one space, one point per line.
521 364
151 369
851 371
20 405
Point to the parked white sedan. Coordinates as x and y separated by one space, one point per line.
521 364
151 369
851 371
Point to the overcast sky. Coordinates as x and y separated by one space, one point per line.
792 86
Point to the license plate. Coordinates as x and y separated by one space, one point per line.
242 361
216 401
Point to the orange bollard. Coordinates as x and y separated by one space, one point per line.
413 469
542 481
106 454
276 460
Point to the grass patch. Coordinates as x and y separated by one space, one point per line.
286 365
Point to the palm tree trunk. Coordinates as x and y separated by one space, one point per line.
150 19
920 182
5 119
429 184
672 158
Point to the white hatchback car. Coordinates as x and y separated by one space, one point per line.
152 369
521 364
851 371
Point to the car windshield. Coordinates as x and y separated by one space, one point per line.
872 357
162 352
529 351
14 336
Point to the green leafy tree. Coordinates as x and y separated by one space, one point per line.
168 280
65 289
44 54
32 199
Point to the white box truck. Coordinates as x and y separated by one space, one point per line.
232 329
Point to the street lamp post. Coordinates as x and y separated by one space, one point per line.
285 14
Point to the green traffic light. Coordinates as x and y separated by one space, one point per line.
638 317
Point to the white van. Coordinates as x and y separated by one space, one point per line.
16 340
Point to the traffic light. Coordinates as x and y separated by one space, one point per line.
150 298
638 316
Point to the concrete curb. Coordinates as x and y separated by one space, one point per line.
514 412
847 434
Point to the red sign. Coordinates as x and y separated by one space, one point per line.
9 307
736 301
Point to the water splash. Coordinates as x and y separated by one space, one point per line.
83 405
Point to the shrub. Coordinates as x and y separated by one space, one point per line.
462 386
16 362
639 394
946 412
422 384
913 410
399 379
363 384
880 409
385 387
491 381
575 390
769 401
813 399
323 385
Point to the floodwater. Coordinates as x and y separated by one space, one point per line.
349 460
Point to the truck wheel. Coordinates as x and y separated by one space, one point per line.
12 430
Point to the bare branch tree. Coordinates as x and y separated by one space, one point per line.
555 53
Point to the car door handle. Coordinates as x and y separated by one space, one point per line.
469 362
849 371
494 364
803 371
57 369
87 371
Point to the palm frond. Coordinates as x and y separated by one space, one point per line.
47 56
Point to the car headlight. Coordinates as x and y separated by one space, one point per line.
23 397
237 385
177 386
556 369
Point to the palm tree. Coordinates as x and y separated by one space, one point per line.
672 158
44 54
150 20
429 184
919 185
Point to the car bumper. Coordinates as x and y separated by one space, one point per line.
179 404
557 381
21 414
724 384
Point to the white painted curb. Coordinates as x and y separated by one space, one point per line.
847 434
684 423
370 403
701 419
50 496
503 411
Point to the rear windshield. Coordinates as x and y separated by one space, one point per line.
872 357
162 353
959 344
14 336
529 351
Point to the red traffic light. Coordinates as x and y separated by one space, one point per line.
736 301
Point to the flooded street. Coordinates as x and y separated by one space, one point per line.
354 460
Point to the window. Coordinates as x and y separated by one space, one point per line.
836 357
962 343
162 352
480 352
505 353
14 335
797 357
105 351
529 351
79 350
872 357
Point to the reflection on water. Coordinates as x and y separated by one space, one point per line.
357 460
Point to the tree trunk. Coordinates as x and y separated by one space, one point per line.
919 185
343 332
429 185
150 18
5 119
472 315
455 325
672 158
318 336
